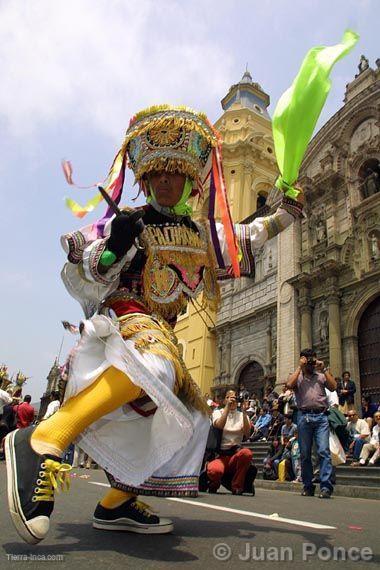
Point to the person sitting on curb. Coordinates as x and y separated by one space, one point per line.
289 428
368 410
261 426
295 455
276 422
273 458
359 433
371 448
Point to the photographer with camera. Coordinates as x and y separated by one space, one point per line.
232 459
309 381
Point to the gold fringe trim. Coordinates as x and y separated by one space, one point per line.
168 311
165 107
152 334
180 165
171 117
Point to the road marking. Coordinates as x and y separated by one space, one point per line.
271 518
252 514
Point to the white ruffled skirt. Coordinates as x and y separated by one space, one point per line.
158 454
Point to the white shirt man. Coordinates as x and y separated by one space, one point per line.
332 398
359 428
5 399
51 409
373 447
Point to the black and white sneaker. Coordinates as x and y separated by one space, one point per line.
131 516
32 479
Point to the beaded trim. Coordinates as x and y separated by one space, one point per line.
76 242
94 260
182 486
292 207
247 261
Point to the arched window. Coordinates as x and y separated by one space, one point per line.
369 350
261 199
252 377
182 348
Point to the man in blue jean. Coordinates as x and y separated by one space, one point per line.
309 381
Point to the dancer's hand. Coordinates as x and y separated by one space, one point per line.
124 230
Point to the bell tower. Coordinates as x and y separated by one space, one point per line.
248 154
250 171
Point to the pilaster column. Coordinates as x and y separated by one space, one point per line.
268 343
227 352
246 207
335 341
306 310
288 348
220 353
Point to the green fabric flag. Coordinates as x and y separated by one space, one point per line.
298 109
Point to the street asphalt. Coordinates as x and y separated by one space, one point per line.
272 529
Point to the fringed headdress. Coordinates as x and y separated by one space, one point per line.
173 139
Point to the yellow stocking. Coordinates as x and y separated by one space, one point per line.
114 498
110 391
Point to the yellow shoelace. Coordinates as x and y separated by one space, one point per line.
144 508
53 476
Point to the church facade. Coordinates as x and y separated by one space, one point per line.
338 285
318 283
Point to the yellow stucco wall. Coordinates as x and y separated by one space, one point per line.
198 346
249 168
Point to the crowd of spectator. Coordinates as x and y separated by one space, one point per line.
16 412
241 416
275 419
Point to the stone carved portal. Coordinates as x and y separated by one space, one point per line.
369 350
252 376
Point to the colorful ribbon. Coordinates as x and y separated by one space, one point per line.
221 196
113 185
298 109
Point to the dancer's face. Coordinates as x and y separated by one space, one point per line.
167 187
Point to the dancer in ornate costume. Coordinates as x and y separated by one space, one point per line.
130 403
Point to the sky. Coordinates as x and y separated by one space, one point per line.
73 72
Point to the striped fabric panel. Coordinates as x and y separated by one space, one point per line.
247 261
182 486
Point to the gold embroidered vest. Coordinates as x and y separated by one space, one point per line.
180 264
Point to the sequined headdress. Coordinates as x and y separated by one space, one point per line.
174 139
